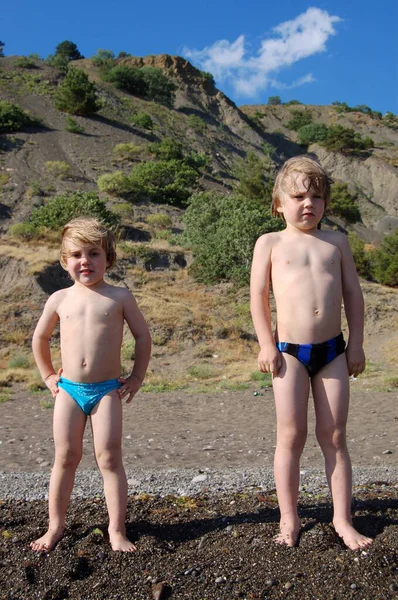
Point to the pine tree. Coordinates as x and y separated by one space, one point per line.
77 95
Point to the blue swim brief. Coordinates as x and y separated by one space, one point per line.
87 395
314 356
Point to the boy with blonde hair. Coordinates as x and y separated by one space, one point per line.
91 315
311 272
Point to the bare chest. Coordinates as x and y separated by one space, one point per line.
98 311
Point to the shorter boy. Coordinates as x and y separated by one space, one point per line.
311 272
91 315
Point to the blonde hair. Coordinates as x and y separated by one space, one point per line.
87 230
317 178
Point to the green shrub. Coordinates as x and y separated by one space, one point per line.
390 120
158 86
129 79
115 184
23 231
292 102
385 261
208 77
222 231
253 183
77 95
61 209
142 120
69 50
197 124
344 204
19 361
197 161
362 258
159 220
299 119
146 82
72 126
57 168
168 181
124 210
274 101
104 59
167 149
312 133
2 44
13 118
345 140
24 62
127 151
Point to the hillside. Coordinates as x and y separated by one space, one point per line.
200 333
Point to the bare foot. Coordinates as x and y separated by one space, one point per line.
289 532
120 543
48 541
350 536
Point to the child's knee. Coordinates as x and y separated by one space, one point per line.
109 459
292 438
332 437
68 458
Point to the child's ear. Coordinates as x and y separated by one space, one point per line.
279 209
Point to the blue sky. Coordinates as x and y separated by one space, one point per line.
316 52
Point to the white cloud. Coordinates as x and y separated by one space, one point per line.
293 41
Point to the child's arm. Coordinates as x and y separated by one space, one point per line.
354 309
269 359
140 331
41 344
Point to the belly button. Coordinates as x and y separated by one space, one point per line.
84 364
317 312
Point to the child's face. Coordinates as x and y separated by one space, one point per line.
301 208
86 264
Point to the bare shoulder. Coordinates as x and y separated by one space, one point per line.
121 294
337 238
54 301
268 240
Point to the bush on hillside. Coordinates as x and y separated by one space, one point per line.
254 182
344 204
143 120
58 168
159 87
2 44
73 126
126 151
129 79
115 184
159 220
168 181
104 59
362 258
167 149
61 209
69 50
77 95
385 261
274 101
312 133
197 124
208 77
25 62
299 119
345 140
13 118
222 231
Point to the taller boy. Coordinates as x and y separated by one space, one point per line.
311 272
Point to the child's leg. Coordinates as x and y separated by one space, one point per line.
291 389
68 424
330 388
106 422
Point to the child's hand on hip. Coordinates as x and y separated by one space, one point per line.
129 388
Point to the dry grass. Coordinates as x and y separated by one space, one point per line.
37 255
